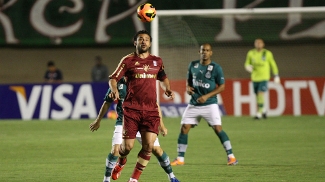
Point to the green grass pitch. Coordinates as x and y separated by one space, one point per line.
282 149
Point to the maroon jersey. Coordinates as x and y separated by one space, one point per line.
141 75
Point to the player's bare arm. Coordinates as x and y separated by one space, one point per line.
162 129
189 89
213 93
103 110
114 91
166 87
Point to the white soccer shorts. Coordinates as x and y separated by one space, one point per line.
117 137
193 114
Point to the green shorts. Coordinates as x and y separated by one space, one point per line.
260 86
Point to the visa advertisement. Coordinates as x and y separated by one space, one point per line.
83 100
51 101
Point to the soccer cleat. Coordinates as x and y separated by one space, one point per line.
264 115
133 180
232 161
176 162
257 118
117 171
174 180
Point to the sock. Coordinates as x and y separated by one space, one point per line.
260 103
131 179
122 160
110 163
165 164
225 142
143 160
182 145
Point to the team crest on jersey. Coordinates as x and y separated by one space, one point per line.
196 65
146 67
210 68
208 74
154 63
136 63
263 58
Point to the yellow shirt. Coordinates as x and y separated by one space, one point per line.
262 63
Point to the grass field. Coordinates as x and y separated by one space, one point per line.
277 149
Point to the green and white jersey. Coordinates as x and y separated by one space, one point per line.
122 93
204 79
262 62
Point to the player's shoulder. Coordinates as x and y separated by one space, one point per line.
214 64
154 57
267 51
128 57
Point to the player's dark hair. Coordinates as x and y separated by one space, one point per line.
50 63
141 32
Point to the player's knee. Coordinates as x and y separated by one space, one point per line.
145 152
128 147
147 147
217 128
185 128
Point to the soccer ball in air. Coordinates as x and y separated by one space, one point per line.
146 12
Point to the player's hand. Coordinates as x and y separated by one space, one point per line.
190 90
277 80
202 99
169 94
249 68
114 95
163 130
94 125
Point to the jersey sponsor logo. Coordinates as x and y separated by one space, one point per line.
144 75
154 63
146 67
201 84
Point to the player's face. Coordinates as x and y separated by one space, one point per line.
205 52
259 44
142 43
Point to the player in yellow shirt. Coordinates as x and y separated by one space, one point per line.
260 62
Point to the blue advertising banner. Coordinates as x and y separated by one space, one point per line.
51 101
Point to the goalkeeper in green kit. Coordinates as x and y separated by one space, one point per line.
260 62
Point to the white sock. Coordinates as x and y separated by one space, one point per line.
171 175
181 159
107 179
231 156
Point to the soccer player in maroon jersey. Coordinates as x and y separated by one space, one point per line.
141 70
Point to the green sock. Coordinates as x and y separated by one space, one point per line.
260 103
225 141
110 163
182 144
165 163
